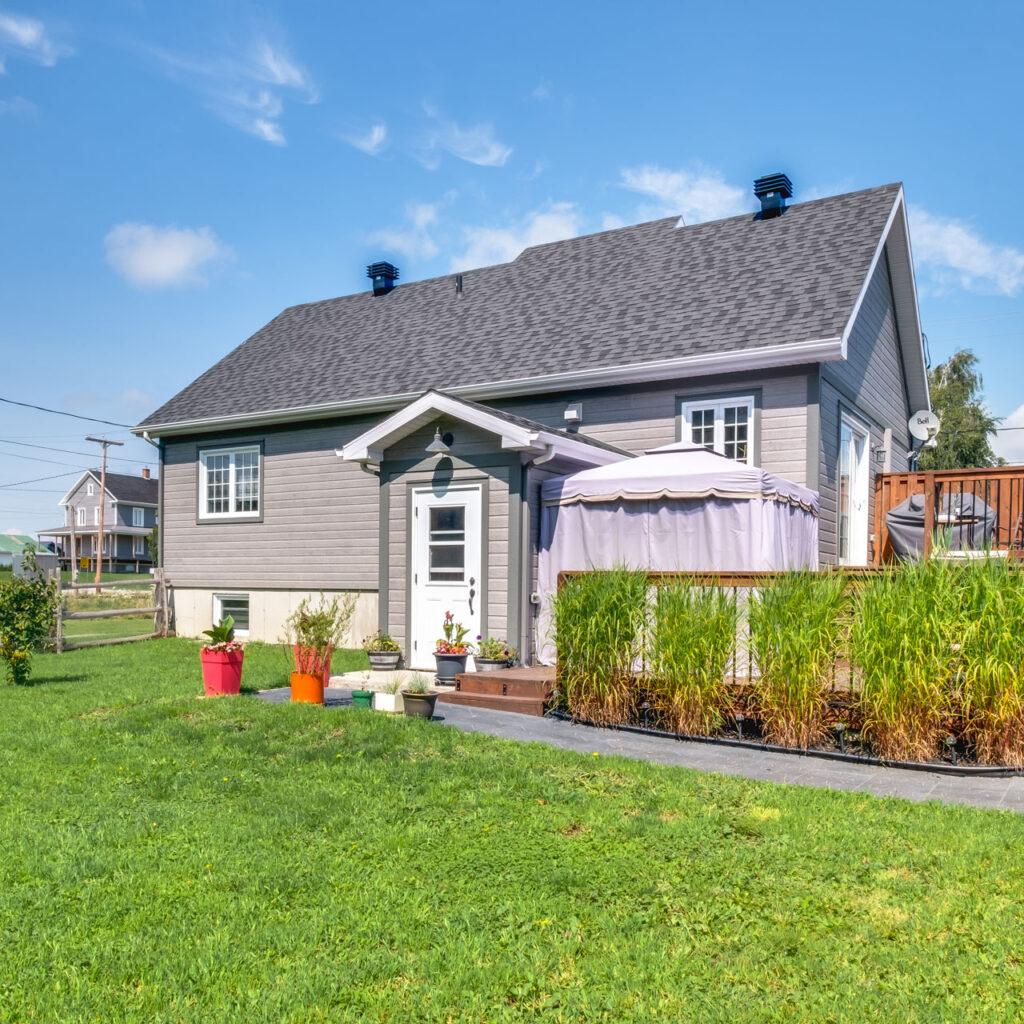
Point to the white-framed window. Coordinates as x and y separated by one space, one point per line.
80 515
723 425
139 547
235 605
138 517
96 515
90 488
229 482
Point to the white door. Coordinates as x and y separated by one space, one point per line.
853 492
445 569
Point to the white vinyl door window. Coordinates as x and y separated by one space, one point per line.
853 491
229 482
80 515
139 547
725 426
138 517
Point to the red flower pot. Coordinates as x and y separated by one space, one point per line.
306 661
222 672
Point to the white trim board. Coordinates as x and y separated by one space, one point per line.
704 365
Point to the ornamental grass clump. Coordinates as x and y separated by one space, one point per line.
990 660
796 631
691 643
600 618
906 640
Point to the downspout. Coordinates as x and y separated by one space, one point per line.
529 611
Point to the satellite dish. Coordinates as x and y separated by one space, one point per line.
924 425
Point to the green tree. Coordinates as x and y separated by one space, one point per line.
154 544
964 440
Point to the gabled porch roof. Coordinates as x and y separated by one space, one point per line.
516 433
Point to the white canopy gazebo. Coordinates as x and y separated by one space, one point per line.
675 509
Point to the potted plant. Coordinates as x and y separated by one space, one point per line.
363 698
388 699
417 700
313 631
222 659
452 650
493 654
383 651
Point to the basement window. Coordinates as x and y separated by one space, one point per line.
229 482
235 605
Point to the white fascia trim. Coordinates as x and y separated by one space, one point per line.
898 211
370 445
787 354
78 483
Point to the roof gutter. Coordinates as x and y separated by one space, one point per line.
788 354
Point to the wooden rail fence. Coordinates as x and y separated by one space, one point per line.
159 609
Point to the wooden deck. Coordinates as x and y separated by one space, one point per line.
1000 487
523 690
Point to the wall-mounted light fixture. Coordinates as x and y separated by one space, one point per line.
440 445
881 454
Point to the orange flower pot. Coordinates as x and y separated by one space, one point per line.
307 688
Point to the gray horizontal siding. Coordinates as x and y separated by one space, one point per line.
871 385
646 416
320 516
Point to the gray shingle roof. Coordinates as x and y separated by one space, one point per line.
127 488
637 294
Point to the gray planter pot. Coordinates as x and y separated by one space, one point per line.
418 705
449 666
490 664
383 661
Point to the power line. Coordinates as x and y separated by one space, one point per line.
69 451
37 458
59 412
35 480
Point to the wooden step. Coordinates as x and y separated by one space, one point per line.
495 702
508 682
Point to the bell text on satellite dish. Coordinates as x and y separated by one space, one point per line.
924 425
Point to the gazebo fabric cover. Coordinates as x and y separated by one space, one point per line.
675 509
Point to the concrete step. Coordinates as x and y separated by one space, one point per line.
495 702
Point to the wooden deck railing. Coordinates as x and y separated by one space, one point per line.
1001 488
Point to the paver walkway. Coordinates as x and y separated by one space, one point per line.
1006 794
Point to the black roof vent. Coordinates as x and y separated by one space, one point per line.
383 275
773 190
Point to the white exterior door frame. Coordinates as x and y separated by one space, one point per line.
852 482
446 566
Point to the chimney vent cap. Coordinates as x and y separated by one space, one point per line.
384 275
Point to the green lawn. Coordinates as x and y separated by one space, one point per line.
171 859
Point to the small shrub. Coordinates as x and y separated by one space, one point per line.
692 640
28 608
600 619
795 632
905 639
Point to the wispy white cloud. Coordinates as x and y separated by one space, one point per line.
373 142
485 245
697 194
951 253
476 144
1009 444
17 105
136 402
21 36
247 88
153 257
541 91
416 239
610 221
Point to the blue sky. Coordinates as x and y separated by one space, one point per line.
173 175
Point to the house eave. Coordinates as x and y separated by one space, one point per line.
765 357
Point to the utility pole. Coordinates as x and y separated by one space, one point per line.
103 503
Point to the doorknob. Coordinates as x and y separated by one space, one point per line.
472 593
